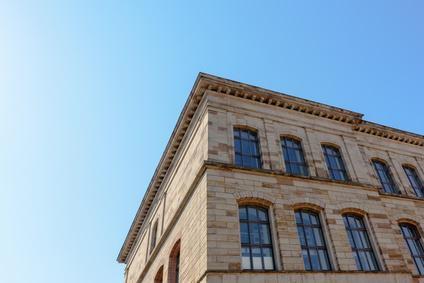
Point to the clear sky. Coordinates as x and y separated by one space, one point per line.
91 90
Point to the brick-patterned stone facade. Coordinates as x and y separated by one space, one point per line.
195 194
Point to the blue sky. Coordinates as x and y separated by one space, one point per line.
90 92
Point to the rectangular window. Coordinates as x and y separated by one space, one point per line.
385 177
255 238
246 148
314 250
335 164
360 243
293 157
414 180
413 239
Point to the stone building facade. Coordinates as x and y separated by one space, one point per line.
259 186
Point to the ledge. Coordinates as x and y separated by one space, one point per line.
227 166
309 276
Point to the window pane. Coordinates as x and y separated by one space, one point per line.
239 160
268 259
242 213
372 261
309 237
314 219
252 214
304 171
413 247
256 258
323 259
298 217
352 243
301 234
406 231
314 260
358 262
305 218
254 233
357 240
364 239
306 261
237 145
266 239
245 258
262 215
244 233
318 238
364 261
420 265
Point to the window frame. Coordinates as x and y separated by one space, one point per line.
272 244
257 156
388 172
324 239
418 180
153 237
418 240
286 159
366 231
330 170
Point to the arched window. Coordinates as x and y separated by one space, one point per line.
414 180
255 237
360 243
153 236
246 147
159 275
335 164
314 250
294 158
174 264
413 239
385 177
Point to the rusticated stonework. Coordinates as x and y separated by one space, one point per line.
192 202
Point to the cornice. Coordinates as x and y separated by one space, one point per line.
206 82
282 100
389 133
161 171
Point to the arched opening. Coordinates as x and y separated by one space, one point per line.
335 164
174 263
294 157
414 242
159 275
414 180
246 148
312 240
255 237
360 242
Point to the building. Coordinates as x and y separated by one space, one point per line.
259 186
